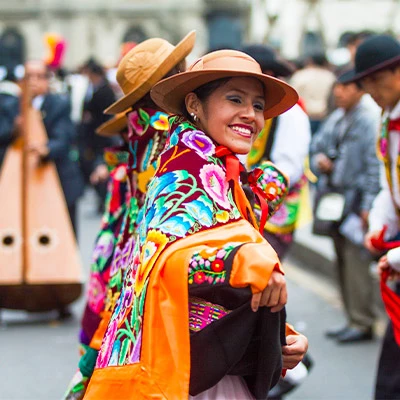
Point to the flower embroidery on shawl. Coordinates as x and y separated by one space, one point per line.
274 184
208 266
159 121
222 216
383 147
138 122
103 250
201 210
214 181
155 243
281 216
107 345
96 292
199 142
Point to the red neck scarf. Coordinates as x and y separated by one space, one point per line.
394 125
233 169
392 305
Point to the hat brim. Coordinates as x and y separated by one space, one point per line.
170 93
180 52
376 68
113 126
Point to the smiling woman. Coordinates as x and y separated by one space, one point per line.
201 312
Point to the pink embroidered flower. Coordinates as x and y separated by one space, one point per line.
280 217
107 345
383 147
96 292
214 181
135 124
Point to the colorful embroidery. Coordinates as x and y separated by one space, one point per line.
203 313
200 143
284 221
184 197
274 184
384 154
115 207
208 266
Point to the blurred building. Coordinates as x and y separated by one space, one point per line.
99 27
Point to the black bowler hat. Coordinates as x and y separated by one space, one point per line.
374 54
268 59
346 77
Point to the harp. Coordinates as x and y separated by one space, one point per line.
40 267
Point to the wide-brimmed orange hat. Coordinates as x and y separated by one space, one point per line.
169 94
113 126
145 65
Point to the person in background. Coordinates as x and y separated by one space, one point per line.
9 110
377 69
314 83
343 156
99 95
55 110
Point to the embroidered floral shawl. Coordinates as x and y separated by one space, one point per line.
190 209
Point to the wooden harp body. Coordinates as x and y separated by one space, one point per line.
40 267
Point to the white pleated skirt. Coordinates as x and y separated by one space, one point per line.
228 388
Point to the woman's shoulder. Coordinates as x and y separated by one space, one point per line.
187 147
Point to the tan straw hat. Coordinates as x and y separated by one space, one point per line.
113 126
169 94
145 65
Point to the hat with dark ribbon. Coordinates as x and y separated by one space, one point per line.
375 54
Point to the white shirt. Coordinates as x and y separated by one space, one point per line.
37 102
383 210
291 143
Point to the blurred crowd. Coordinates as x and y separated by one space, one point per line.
328 138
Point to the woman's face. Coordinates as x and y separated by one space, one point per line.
233 114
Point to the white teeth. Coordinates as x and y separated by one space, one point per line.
242 130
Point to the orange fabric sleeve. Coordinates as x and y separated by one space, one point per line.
290 330
253 265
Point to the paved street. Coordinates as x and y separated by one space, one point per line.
39 355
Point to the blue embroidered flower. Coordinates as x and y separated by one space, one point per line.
115 353
178 225
201 210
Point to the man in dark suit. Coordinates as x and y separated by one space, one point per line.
91 146
9 109
55 109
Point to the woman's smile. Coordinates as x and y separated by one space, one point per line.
246 131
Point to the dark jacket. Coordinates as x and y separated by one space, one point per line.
61 132
9 109
91 145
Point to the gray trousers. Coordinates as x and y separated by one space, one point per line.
355 282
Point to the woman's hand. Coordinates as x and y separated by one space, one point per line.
294 351
383 264
368 244
274 295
